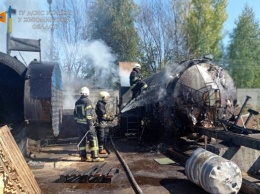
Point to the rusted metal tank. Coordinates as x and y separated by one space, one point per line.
43 99
213 173
193 93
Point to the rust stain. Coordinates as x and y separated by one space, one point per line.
126 66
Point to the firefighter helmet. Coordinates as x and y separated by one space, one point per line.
103 96
137 65
84 91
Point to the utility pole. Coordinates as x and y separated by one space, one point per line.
52 30
9 28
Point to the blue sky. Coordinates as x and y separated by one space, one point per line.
235 8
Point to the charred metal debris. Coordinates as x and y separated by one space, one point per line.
184 97
92 175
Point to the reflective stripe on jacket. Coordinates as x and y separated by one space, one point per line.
83 110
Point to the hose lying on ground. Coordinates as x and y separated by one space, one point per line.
135 186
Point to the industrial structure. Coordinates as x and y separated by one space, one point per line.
31 96
192 99
183 96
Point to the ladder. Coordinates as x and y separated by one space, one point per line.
132 126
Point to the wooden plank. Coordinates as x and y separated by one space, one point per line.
22 162
14 160
17 159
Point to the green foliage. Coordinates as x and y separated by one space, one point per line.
113 22
244 51
204 25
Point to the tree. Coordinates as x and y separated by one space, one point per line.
244 50
159 27
113 22
68 37
203 28
80 57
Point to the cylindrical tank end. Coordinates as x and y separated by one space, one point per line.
213 173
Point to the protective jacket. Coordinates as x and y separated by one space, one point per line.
101 112
135 76
83 110
136 82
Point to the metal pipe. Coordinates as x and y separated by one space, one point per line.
251 112
238 116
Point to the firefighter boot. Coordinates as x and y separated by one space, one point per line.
89 159
94 151
98 159
102 151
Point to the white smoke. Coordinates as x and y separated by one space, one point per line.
70 91
104 62
168 77
100 53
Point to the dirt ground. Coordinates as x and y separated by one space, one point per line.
152 177
55 159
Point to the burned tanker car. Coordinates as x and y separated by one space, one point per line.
181 97
31 97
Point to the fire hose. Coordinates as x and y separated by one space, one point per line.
135 186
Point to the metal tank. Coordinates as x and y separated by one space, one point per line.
43 99
213 173
192 93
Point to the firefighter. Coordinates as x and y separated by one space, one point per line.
136 83
83 116
102 119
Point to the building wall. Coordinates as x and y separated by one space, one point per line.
253 93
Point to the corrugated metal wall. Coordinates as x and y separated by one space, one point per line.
254 93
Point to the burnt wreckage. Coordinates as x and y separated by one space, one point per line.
182 97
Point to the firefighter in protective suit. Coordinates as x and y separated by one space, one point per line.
83 116
102 119
136 82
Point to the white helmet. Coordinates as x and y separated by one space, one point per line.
137 65
84 91
103 96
